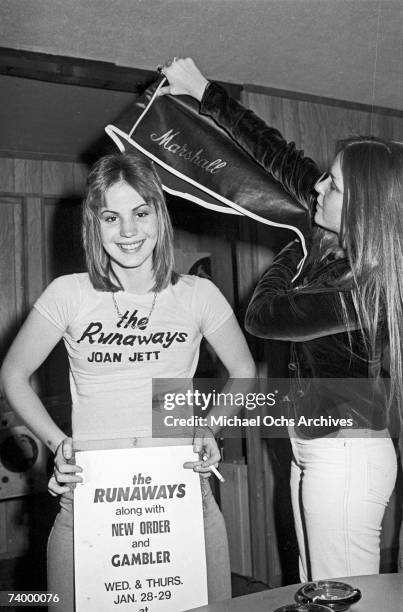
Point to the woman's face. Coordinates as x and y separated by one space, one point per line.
330 198
129 227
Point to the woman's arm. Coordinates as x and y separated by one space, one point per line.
280 311
297 173
34 342
231 348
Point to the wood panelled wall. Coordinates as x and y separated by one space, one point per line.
34 247
315 128
33 250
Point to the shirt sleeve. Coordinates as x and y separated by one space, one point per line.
211 309
60 301
296 172
280 311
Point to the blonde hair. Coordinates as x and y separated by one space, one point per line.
139 173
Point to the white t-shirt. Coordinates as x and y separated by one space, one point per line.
112 359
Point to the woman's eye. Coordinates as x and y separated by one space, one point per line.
110 218
142 214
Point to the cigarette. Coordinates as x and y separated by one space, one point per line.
217 473
214 470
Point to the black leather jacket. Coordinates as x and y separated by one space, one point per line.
324 343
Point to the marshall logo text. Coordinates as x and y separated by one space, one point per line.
182 150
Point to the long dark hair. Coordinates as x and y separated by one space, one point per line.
372 238
139 173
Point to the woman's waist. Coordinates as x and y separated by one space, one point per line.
128 442
351 432
310 364
324 408
333 357
361 433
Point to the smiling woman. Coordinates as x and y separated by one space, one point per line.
130 319
129 227
125 225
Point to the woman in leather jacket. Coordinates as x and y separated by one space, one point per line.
339 313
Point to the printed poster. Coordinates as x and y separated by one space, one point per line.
138 531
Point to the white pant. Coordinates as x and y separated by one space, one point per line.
340 488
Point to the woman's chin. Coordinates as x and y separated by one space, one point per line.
318 217
321 223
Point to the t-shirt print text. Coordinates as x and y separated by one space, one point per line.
96 334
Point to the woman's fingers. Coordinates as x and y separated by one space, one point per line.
163 91
199 466
168 63
65 449
206 447
163 67
55 488
184 78
67 468
63 478
66 472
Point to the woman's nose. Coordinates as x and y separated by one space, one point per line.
320 185
128 227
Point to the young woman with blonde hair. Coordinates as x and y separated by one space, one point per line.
131 303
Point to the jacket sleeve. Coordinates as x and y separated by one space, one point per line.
280 311
296 173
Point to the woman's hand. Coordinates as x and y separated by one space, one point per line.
184 78
205 445
64 473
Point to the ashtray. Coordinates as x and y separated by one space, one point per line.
303 607
337 596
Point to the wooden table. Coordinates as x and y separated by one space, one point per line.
380 593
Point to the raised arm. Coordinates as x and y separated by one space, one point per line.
297 173
280 311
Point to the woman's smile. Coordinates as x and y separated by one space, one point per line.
129 228
131 247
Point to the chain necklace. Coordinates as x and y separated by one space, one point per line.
120 314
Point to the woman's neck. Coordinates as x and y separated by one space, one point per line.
135 280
